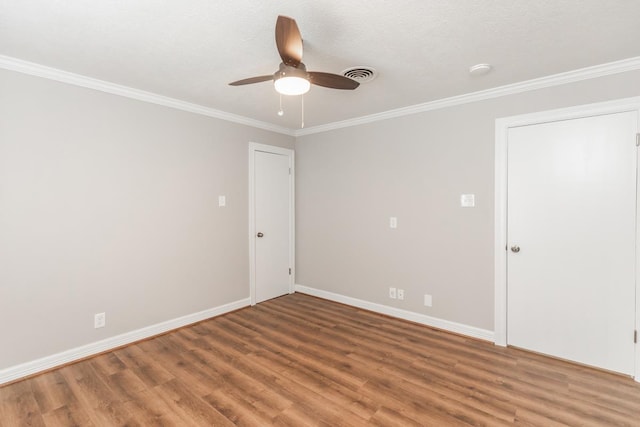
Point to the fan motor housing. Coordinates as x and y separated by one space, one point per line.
289 71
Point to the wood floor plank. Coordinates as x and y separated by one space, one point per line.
282 381
149 409
239 411
190 406
71 415
108 364
303 361
144 365
386 417
97 399
19 407
51 392
125 384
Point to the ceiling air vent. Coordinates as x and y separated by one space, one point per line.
360 74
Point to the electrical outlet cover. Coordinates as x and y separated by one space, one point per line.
428 300
99 320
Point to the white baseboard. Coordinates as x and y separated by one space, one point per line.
446 325
29 368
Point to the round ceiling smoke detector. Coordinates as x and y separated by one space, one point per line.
480 69
360 74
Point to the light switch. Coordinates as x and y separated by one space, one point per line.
393 222
468 200
222 201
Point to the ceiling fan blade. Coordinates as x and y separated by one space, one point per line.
288 41
333 81
252 80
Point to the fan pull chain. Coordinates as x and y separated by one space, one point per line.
281 111
302 118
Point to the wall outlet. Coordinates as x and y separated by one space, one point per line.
99 320
393 222
400 294
222 201
428 300
392 293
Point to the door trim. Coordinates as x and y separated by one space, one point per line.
500 221
253 148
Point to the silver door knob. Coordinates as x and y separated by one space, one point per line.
515 249
260 234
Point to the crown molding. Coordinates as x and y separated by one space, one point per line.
31 68
14 64
629 64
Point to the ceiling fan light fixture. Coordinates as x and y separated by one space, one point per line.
292 77
292 85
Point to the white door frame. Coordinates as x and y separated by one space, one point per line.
500 247
253 148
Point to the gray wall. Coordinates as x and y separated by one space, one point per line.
350 181
110 204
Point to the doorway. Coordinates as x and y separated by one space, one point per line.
271 221
566 198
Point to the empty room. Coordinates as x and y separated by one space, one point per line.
410 213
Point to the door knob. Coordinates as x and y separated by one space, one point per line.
515 249
260 234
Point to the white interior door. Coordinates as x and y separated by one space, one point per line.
571 203
272 226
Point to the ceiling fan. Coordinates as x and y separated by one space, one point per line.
292 78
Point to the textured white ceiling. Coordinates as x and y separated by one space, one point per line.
422 49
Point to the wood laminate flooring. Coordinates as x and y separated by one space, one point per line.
299 360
